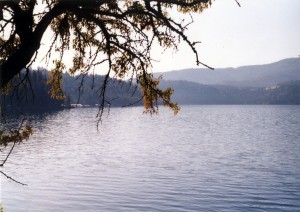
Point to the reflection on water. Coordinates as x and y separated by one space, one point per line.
208 158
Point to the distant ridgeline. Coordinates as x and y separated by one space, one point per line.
32 94
276 83
191 93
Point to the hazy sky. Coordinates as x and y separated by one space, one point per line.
258 32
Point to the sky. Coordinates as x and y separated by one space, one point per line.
258 32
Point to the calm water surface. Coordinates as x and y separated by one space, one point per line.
207 158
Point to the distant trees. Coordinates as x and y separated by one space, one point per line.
81 89
31 95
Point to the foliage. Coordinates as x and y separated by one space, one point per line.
115 34
13 135
17 135
152 93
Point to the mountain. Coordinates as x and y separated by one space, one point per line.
245 76
190 93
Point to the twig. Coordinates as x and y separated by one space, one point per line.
238 3
13 146
7 156
8 177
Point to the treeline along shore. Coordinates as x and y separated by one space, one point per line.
31 93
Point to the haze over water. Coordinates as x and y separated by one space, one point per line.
207 158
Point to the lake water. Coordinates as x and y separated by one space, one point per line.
207 158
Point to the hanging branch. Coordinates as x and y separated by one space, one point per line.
10 178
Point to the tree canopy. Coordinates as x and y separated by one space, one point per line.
115 34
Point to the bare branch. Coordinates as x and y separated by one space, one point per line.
10 178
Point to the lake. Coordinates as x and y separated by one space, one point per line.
207 158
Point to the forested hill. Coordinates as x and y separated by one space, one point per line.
32 93
191 93
246 76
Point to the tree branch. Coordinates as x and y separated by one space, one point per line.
16 181
185 3
30 44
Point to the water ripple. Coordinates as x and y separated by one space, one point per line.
208 158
